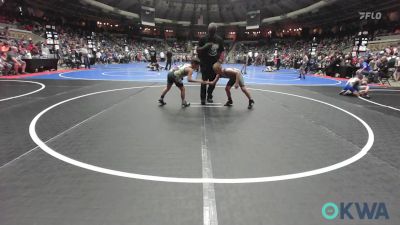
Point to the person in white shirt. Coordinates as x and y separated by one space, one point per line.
98 56
28 55
162 56
250 58
45 51
84 51
146 54
85 56
397 67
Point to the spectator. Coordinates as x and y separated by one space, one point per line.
4 66
383 69
45 51
6 33
98 57
31 46
169 60
85 56
14 59
162 56
5 47
372 64
397 66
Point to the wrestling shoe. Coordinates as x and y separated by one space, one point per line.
161 101
366 96
251 103
347 93
185 104
229 103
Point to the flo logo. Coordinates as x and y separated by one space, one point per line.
355 210
370 15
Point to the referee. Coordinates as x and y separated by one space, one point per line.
210 49
153 55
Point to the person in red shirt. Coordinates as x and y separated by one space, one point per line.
354 60
5 47
31 46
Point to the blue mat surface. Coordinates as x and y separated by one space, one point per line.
139 72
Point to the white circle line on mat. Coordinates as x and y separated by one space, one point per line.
62 75
302 174
297 84
271 79
384 90
42 86
131 75
379 104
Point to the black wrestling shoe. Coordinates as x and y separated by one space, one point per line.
203 102
366 96
185 104
209 100
161 101
251 103
229 103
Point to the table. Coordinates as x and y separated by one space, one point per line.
40 65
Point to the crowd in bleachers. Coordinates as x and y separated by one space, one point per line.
333 56
75 51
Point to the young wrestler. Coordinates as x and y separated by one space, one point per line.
176 76
357 86
235 79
